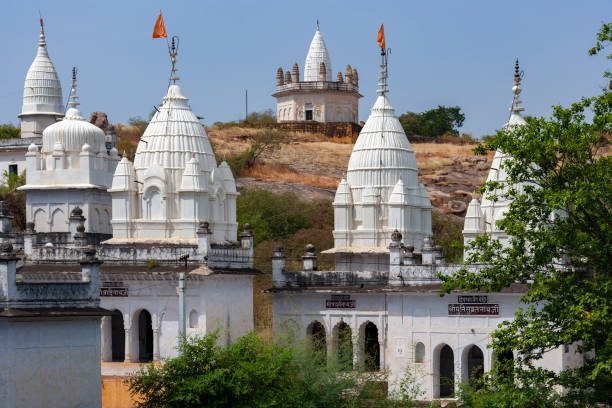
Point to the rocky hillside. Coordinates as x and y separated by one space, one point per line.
311 166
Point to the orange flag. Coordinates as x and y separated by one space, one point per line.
380 39
159 30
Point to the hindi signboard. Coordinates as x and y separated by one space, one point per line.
340 302
472 299
473 309
113 289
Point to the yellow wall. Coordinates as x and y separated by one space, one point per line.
115 393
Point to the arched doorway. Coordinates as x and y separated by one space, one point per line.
117 336
371 348
475 364
145 337
447 372
318 341
344 346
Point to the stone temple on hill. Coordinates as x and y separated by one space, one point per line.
318 96
379 310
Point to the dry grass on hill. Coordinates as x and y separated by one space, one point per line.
433 156
277 172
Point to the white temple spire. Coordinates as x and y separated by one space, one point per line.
173 49
42 92
41 38
383 87
317 54
73 101
516 108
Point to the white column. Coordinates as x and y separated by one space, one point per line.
155 344
128 339
106 334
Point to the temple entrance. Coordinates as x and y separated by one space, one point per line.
145 337
475 364
318 342
117 336
447 372
344 346
371 348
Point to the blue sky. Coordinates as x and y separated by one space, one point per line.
443 52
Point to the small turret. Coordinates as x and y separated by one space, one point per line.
339 77
279 77
322 72
348 74
288 77
473 225
295 73
355 77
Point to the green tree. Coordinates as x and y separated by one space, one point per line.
14 200
559 226
261 142
9 131
248 373
433 123
604 37
259 119
272 216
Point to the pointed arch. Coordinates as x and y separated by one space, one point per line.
144 335
153 203
444 371
117 336
369 357
419 352
343 346
317 338
40 220
472 361
58 221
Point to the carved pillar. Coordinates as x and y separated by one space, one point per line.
128 340
156 344
106 335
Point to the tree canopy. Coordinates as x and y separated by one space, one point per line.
247 373
559 173
433 123
9 131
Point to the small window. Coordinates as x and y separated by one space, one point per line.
12 169
419 352
309 114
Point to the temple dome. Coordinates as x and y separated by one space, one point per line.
317 54
173 137
382 153
73 131
42 91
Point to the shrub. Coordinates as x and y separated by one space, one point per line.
248 373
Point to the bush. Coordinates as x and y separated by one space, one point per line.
447 232
263 141
248 373
271 216
8 131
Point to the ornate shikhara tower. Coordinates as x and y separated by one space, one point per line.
317 98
